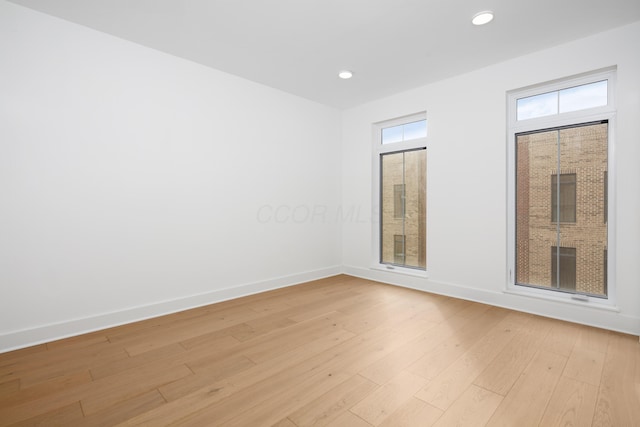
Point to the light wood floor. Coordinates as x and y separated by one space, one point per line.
337 352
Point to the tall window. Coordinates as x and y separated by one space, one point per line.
560 138
400 162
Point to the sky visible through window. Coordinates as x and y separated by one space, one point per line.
404 132
563 101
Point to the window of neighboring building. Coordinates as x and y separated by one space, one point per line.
563 197
398 200
398 249
560 138
400 185
565 276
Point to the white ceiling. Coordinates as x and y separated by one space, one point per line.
298 46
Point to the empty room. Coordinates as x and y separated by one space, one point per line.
299 213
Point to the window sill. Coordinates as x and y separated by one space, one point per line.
400 270
590 302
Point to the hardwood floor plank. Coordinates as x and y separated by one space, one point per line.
64 416
257 373
502 373
385 400
406 355
215 340
333 403
593 339
278 405
526 402
173 412
116 388
585 365
367 319
449 385
42 390
437 360
219 368
11 356
618 401
269 306
123 411
284 423
561 338
43 366
473 409
307 309
111 368
348 419
188 329
47 404
9 387
263 325
282 340
572 404
246 398
413 413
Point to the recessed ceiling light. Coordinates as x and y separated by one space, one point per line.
482 18
345 74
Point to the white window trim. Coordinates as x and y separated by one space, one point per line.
378 149
608 113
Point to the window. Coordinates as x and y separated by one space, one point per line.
559 143
405 217
404 132
400 166
565 276
563 101
563 197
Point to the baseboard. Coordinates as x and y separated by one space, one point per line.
46 333
611 320
583 315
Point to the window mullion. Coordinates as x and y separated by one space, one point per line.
558 210
404 206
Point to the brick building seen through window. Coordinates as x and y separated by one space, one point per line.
578 155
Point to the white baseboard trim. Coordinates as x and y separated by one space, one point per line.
606 319
46 333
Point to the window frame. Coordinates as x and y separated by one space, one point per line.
378 149
515 127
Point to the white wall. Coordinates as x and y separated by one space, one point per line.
466 177
134 183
